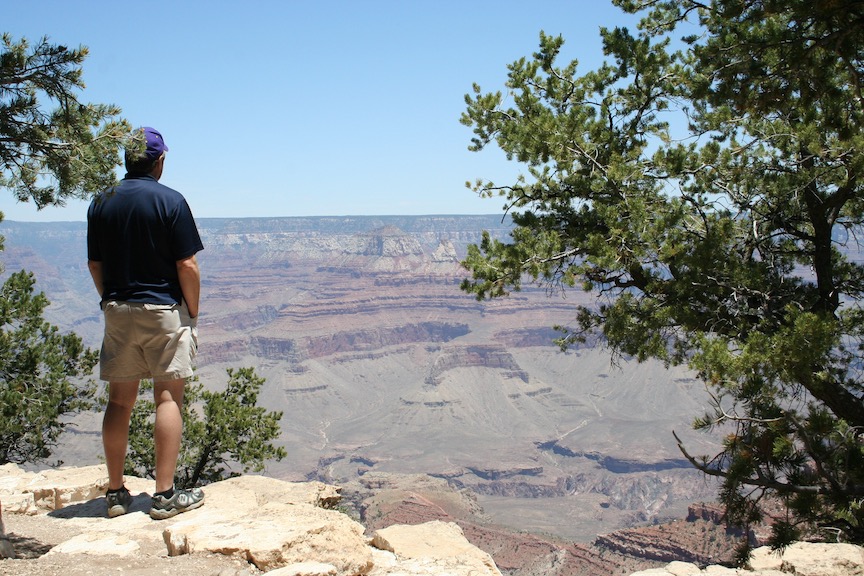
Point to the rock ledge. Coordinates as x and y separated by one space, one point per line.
283 528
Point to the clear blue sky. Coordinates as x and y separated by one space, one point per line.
290 108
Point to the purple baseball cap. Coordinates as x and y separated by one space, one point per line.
155 143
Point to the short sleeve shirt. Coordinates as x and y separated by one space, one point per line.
138 230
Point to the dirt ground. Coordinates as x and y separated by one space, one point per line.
33 536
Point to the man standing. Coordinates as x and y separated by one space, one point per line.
141 246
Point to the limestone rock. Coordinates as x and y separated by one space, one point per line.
52 489
99 544
433 548
272 524
260 490
812 559
800 559
14 498
288 529
273 535
306 569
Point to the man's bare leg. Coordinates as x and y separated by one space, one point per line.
115 429
168 430
6 550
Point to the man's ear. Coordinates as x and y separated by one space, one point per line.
158 166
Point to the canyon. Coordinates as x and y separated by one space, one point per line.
383 368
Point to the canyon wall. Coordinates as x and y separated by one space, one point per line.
382 365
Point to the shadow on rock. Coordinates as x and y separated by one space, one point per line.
27 548
98 508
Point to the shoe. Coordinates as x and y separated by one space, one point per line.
118 502
181 501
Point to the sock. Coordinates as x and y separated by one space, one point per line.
167 494
120 489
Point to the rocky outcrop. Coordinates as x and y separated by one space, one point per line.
294 351
276 348
434 539
810 559
679 540
801 558
480 355
283 527
615 464
499 473
704 511
261 316
363 340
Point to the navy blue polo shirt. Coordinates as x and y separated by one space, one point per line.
138 230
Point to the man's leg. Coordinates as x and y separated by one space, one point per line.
115 429
168 430
6 550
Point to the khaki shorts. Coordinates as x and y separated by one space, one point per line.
157 341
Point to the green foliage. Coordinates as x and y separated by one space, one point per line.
707 194
219 429
45 156
49 154
41 374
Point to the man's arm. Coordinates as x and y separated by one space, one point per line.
96 273
190 283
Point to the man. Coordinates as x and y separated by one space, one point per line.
141 246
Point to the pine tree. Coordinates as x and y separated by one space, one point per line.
42 374
48 154
708 188
58 147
